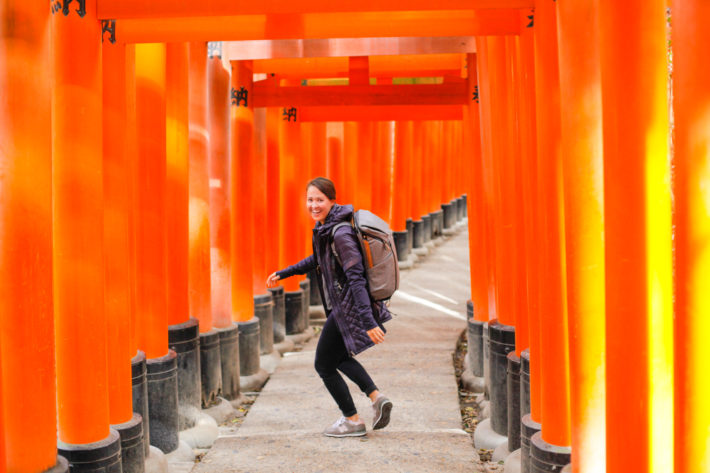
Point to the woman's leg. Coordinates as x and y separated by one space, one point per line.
330 352
357 373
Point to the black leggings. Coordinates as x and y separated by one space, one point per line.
332 356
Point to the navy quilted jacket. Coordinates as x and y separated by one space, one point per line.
343 288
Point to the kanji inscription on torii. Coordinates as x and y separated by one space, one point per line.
239 95
288 113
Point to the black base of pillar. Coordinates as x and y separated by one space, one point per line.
545 457
501 341
306 289
140 395
279 313
449 214
465 205
400 244
487 361
315 293
163 401
437 223
426 228
525 382
184 340
410 235
62 466
210 367
249 362
475 342
513 402
295 318
264 311
103 456
229 361
459 209
418 234
528 428
132 450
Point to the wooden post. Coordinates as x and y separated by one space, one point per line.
77 200
27 373
638 236
199 272
582 161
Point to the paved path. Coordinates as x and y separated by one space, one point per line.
282 432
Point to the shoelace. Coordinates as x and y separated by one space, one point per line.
339 422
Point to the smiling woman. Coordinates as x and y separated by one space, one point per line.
354 322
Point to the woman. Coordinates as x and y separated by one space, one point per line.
354 322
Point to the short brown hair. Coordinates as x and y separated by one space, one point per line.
324 185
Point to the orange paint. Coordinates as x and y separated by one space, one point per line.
690 76
363 170
477 218
164 8
582 153
241 119
199 271
292 197
218 156
152 323
402 175
27 372
382 171
335 165
361 113
117 215
176 185
351 163
259 200
78 247
132 160
531 211
553 303
273 191
320 25
638 236
318 149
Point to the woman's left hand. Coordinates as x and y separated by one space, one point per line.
376 335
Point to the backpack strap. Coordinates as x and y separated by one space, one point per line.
332 239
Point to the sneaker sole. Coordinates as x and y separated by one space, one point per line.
351 434
384 418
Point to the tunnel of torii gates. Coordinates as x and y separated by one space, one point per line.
150 182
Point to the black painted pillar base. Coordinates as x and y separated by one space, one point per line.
249 362
229 361
525 382
295 318
449 215
487 361
315 293
140 395
306 289
418 234
62 466
163 401
132 450
465 205
410 235
184 340
545 457
528 428
426 228
437 223
264 311
279 313
501 341
514 416
210 367
475 342
400 244
103 456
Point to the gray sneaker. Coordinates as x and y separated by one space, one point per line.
382 408
345 428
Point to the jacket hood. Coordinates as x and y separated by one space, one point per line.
337 214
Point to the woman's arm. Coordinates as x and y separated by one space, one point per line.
302 267
348 249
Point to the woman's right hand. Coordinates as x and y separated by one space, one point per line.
272 281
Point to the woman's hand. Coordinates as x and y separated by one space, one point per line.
376 335
272 281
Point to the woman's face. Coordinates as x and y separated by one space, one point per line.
318 204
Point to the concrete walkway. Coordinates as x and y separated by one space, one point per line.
282 432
